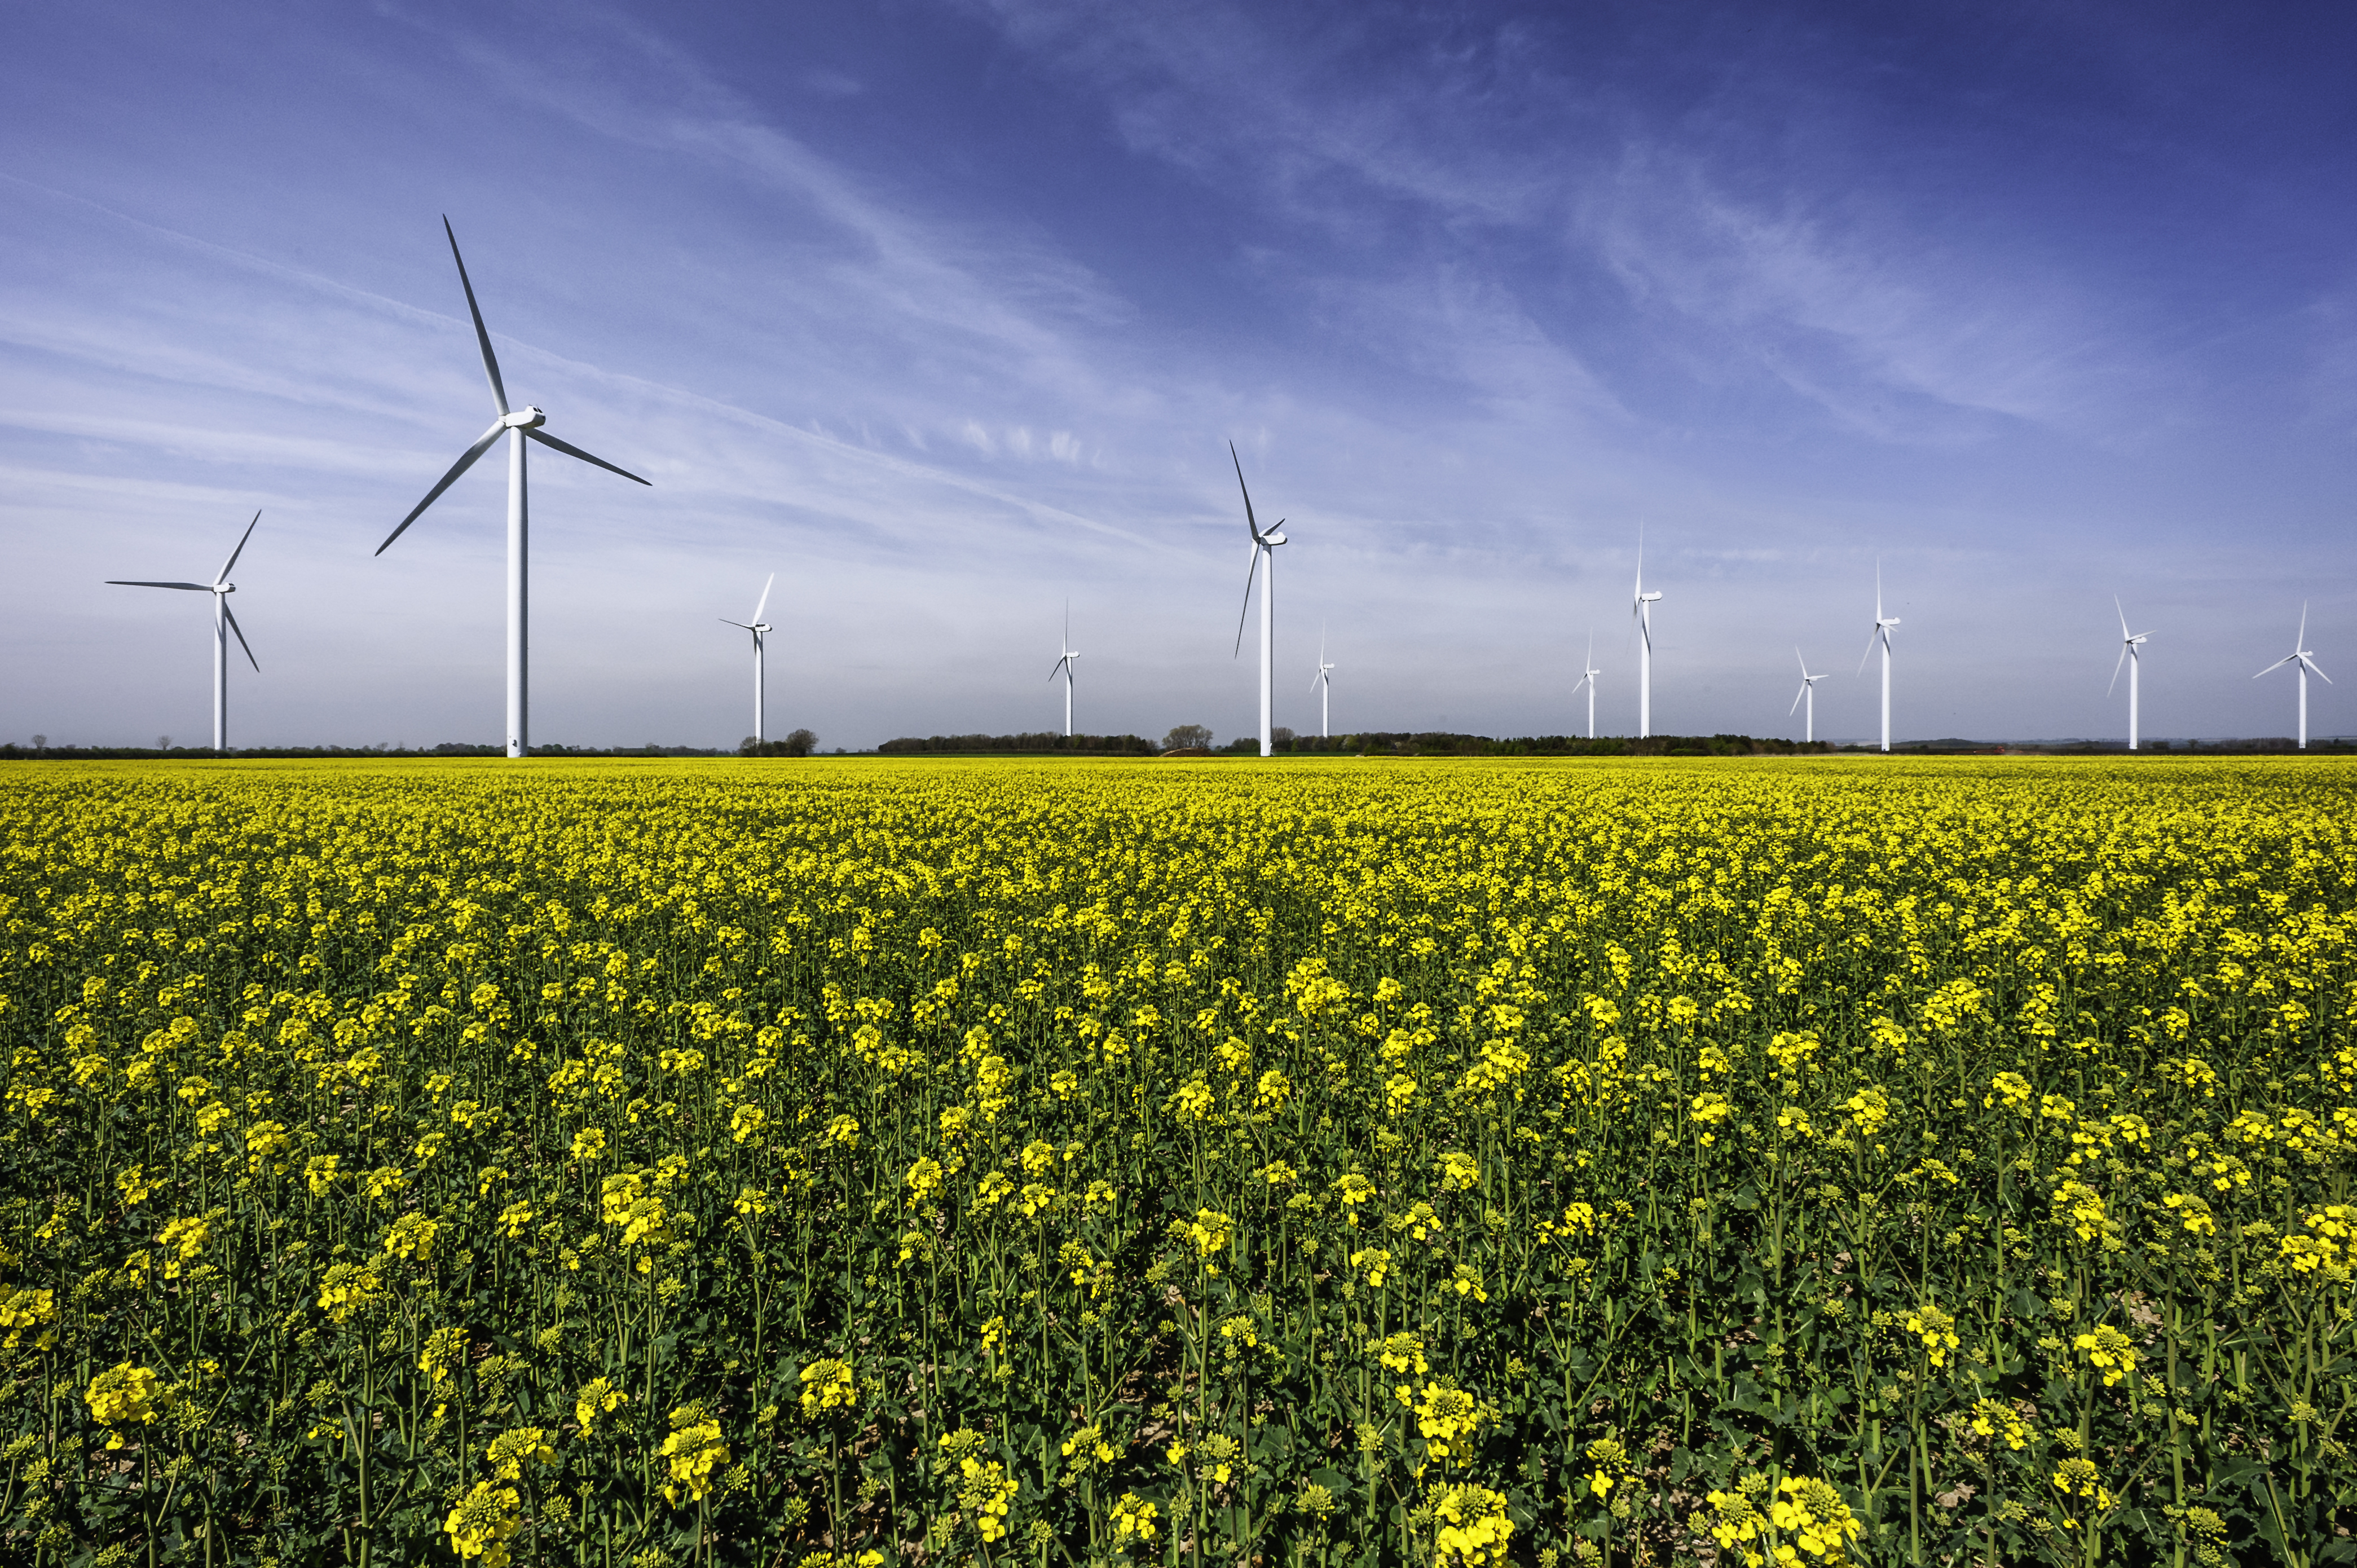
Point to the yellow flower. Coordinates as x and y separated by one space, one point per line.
599 1397
827 1385
1132 1520
510 1451
481 1523
691 1453
122 1395
1473 1526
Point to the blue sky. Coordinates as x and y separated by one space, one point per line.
945 312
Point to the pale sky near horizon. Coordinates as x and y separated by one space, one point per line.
945 312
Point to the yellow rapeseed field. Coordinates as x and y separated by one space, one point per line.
839 1164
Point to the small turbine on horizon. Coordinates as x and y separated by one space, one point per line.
2130 643
2304 661
1881 633
224 623
1066 667
518 426
1642 614
1322 684
1808 694
759 629
1263 545
1588 673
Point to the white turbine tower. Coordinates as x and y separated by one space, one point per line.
1642 614
2130 642
1808 694
759 629
1066 668
224 623
2301 658
1588 673
1881 633
1263 545
517 426
1323 684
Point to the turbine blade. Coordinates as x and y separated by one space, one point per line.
546 439
1246 612
765 596
1796 700
2303 624
1249 521
2320 675
231 616
465 462
491 361
2287 658
2124 616
724 620
1870 649
127 583
2122 659
230 563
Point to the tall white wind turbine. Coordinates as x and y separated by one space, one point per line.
1808 694
224 623
759 629
2304 661
1262 545
1323 684
1642 613
1881 633
1066 666
517 426
2130 642
1588 673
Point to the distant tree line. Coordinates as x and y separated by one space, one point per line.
801 742
1096 744
1430 742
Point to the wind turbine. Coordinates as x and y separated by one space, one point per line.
1808 692
1263 545
2130 641
758 628
1322 684
220 588
1067 668
1881 633
517 426
1642 614
2306 662
1588 673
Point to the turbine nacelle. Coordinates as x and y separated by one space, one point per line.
1649 598
524 419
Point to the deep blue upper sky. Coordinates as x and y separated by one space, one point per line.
945 312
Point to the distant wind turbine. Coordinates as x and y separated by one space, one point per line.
2305 662
1066 667
1322 684
1808 694
1881 633
1588 673
517 426
2130 642
1262 545
220 588
759 629
1642 614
